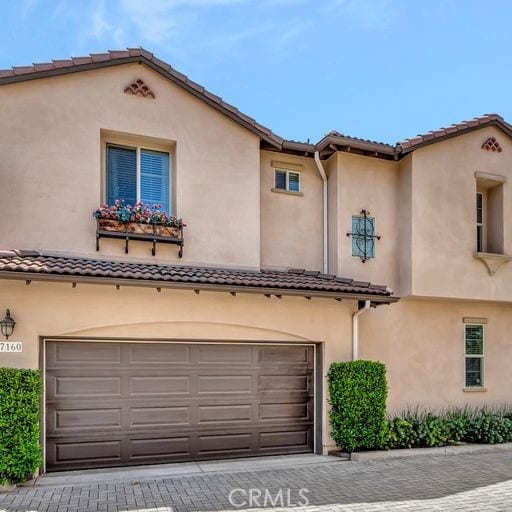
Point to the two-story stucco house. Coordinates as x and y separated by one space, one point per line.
214 342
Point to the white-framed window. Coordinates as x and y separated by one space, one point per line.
287 180
480 222
473 355
135 173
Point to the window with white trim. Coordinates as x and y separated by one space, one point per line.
287 180
490 213
474 354
480 227
138 174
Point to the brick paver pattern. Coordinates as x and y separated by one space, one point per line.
458 483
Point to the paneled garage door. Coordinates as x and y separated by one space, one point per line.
124 403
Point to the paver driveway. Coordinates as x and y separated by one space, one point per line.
458 483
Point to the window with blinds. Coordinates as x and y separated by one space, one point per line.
287 180
480 222
474 354
121 174
138 174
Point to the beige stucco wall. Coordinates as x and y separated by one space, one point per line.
422 344
371 184
51 165
57 309
444 218
404 227
420 341
291 225
331 168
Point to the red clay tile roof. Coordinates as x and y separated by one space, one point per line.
406 146
37 265
337 138
409 145
116 57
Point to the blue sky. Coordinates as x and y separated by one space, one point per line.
378 69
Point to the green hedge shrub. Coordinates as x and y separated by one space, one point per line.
357 395
20 452
415 429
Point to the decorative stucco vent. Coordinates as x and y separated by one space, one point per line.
491 144
139 88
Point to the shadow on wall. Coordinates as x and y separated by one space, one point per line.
187 331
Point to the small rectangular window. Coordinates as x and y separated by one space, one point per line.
363 241
480 222
138 174
280 181
287 180
293 182
489 213
474 354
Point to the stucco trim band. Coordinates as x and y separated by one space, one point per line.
474 320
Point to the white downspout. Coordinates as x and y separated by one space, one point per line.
321 170
355 329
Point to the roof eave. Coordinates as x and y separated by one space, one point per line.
498 123
199 92
347 144
34 276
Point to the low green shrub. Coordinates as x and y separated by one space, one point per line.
398 433
419 429
357 395
489 428
20 452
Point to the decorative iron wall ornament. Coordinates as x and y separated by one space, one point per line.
363 236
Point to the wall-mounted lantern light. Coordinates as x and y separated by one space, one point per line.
7 325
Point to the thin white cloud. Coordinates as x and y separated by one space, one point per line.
292 32
182 28
102 29
26 7
165 18
368 14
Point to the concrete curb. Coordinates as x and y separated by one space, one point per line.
7 487
442 451
178 470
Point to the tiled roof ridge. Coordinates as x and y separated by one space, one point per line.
335 133
432 134
39 262
404 146
114 55
475 122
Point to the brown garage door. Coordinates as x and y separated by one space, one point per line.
116 404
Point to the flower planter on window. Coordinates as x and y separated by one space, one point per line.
150 231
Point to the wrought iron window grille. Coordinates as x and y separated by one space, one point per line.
364 236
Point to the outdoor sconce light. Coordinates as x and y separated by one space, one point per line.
7 325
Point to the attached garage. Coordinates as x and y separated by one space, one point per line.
119 403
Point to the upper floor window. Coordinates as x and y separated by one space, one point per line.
287 180
473 354
363 237
138 174
489 213
480 222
